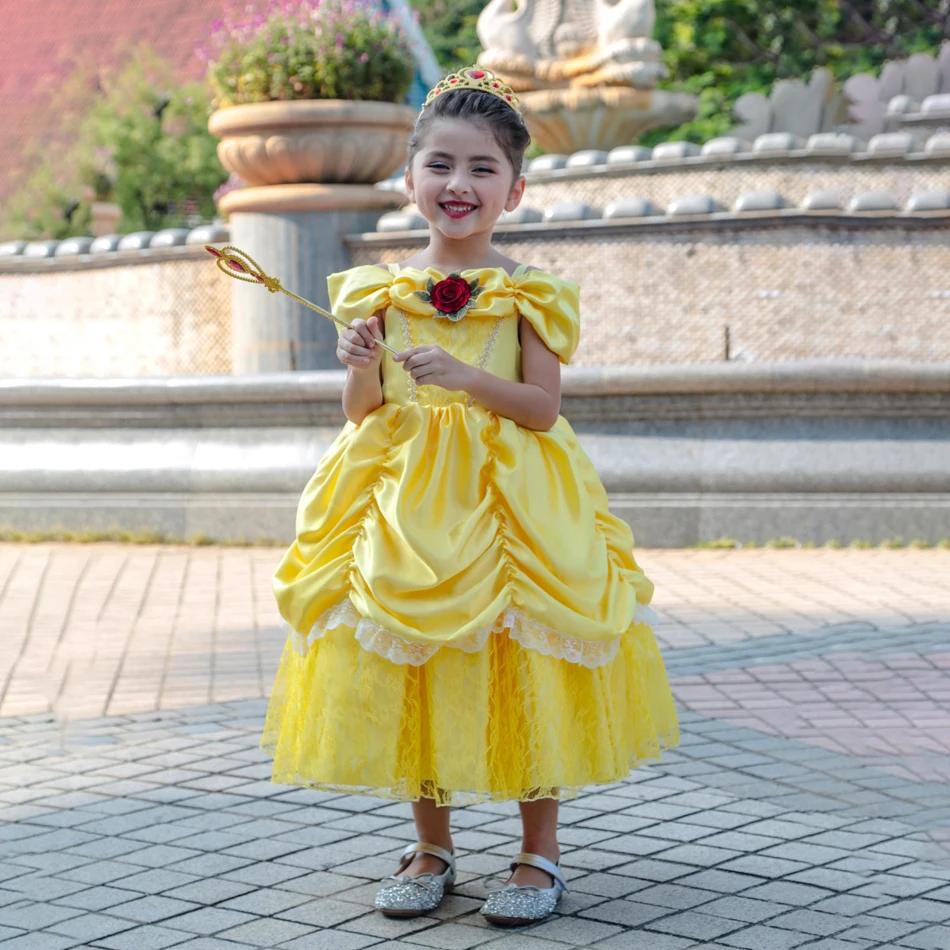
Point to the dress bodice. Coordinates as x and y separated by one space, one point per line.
486 336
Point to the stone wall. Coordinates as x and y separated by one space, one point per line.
787 288
816 451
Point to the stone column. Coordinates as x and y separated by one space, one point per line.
295 233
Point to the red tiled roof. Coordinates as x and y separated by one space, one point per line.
40 43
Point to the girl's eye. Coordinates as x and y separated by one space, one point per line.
489 170
437 165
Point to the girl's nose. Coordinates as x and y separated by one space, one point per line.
458 184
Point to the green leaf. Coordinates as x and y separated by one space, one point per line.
430 285
423 296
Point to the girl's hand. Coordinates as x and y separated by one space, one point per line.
430 365
357 348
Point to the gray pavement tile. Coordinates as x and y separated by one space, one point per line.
91 927
868 863
154 881
918 910
40 888
265 933
147 937
631 940
452 936
850 905
105 848
320 883
694 924
209 890
812 922
827 877
160 855
621 845
761 866
806 853
41 940
330 940
876 929
210 865
36 915
650 869
264 901
744 908
151 909
893 885
675 896
726 882
608 885
97 898
323 912
209 920
780 828
787 892
628 913
833 943
699 855
575 931
678 831
933 938
376 925
765 938
51 862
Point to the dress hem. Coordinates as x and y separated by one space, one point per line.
522 629
461 797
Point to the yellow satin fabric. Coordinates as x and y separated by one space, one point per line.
433 516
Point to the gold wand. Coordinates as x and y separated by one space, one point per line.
235 263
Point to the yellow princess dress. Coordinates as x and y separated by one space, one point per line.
467 621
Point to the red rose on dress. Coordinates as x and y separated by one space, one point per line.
451 296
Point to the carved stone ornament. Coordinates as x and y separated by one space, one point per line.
585 70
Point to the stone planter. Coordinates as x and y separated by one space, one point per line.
334 141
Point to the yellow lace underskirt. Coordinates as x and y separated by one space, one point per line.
504 722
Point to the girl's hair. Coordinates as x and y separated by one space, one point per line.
506 124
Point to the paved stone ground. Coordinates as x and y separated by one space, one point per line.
807 807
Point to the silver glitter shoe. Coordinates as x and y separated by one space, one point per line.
414 896
516 904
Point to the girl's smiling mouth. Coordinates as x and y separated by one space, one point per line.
457 209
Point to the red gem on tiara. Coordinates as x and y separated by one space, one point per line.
477 74
508 98
495 84
453 80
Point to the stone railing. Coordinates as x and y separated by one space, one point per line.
816 451
140 304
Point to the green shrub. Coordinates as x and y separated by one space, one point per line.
308 49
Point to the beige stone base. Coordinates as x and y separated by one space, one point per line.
571 120
285 199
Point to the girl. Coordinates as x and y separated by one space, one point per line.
467 620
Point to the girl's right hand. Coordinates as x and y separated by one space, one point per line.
356 347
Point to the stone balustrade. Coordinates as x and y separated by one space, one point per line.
813 450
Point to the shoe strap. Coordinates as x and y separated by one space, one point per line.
423 847
537 861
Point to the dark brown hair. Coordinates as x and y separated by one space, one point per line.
505 123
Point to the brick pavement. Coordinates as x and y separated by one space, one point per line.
808 805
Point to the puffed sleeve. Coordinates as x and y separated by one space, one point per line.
552 306
359 292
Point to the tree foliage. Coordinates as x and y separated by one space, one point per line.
143 142
721 49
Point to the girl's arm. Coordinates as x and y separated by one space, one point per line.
535 403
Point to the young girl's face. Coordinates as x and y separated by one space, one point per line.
461 180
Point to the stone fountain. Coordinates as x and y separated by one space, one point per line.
586 70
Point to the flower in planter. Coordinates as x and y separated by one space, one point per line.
452 296
308 49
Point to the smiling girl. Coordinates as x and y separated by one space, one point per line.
467 620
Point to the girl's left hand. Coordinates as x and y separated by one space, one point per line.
430 365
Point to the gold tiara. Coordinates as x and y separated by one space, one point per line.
474 77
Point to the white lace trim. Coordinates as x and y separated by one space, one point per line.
529 633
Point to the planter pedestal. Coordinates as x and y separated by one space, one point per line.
295 233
